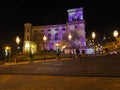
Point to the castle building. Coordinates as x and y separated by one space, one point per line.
56 35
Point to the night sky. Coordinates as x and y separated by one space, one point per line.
101 16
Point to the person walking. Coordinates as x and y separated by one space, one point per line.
77 52
58 53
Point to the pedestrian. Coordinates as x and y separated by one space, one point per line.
31 57
83 53
58 53
77 52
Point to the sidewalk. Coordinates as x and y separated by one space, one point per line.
34 61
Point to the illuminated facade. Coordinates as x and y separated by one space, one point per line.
114 45
57 35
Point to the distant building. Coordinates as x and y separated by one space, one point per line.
57 35
113 45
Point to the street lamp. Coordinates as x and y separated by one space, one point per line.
31 52
70 37
57 50
7 53
115 34
18 42
93 37
44 39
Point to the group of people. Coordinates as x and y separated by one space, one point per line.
58 53
77 52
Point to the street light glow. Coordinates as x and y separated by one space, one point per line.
6 47
17 40
7 52
57 44
27 45
115 33
93 35
69 36
44 38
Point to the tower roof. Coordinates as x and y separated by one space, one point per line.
75 9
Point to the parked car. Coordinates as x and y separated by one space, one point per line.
113 52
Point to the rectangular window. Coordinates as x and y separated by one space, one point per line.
49 29
49 36
28 30
56 36
63 28
35 31
75 26
63 36
27 37
56 29
42 30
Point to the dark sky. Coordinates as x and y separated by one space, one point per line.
102 16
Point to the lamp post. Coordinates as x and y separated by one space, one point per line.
57 50
93 37
18 42
31 52
115 34
70 37
7 53
44 39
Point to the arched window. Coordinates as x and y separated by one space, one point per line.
63 29
49 36
27 37
28 30
63 36
56 36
